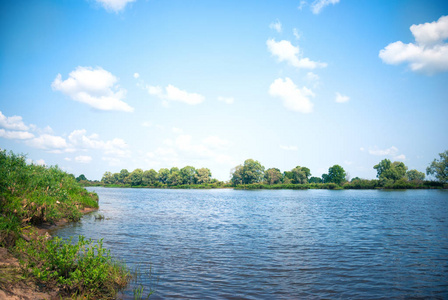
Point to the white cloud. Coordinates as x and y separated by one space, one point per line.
302 4
80 140
285 51
177 130
296 33
289 148
429 53
215 142
318 5
341 98
40 162
94 87
48 142
312 76
16 135
392 152
136 75
172 93
277 26
83 159
14 122
146 124
114 5
293 98
227 100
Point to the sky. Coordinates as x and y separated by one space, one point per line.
104 85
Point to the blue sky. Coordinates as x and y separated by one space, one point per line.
96 86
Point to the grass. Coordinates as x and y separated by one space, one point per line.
31 195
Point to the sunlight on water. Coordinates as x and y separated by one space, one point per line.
208 244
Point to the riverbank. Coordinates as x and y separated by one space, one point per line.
33 200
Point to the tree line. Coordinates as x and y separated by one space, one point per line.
252 174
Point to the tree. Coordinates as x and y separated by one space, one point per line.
123 175
273 176
107 178
136 176
300 174
386 170
81 177
149 177
414 175
203 175
162 176
336 174
188 175
439 168
174 178
315 180
251 172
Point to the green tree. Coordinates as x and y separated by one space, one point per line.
188 175
162 175
174 178
81 177
439 168
237 175
315 180
203 175
136 176
253 171
273 176
336 174
149 177
390 171
107 178
300 174
123 175
414 175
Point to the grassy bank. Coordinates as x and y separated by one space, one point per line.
32 195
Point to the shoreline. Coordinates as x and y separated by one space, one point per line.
28 289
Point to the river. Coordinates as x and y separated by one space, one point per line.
227 244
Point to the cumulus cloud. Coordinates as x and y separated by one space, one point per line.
285 51
39 162
215 142
136 75
80 140
172 93
318 5
14 122
289 148
48 142
114 5
429 53
227 100
277 26
293 98
95 87
83 159
341 98
392 152
16 135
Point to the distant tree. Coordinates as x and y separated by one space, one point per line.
81 177
300 174
136 177
336 174
273 176
251 172
388 171
162 175
237 175
414 175
174 178
315 180
439 168
149 177
356 178
123 175
107 178
203 175
188 175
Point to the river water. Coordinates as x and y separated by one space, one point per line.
227 244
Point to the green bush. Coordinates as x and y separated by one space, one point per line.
82 268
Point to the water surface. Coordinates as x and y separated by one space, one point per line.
212 244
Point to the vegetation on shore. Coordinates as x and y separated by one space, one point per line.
31 195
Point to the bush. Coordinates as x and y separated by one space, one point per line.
82 268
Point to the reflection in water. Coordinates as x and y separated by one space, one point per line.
208 244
